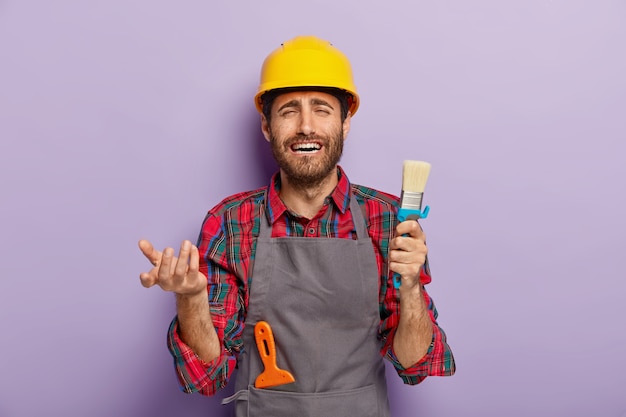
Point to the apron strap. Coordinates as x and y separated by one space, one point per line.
357 219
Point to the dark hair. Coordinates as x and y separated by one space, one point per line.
343 96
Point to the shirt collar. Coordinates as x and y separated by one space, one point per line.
340 196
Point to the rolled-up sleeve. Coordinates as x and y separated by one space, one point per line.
438 360
195 375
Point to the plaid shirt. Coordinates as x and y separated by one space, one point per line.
227 246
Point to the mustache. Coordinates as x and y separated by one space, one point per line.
306 138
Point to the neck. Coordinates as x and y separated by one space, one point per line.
306 201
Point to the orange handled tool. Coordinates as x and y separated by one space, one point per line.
272 375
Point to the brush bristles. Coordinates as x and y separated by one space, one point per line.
414 176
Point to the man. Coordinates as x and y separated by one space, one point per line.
312 255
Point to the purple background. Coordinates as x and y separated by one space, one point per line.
123 120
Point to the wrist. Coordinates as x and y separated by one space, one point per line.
411 297
410 288
189 299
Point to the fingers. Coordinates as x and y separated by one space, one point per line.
154 256
171 273
194 260
411 228
418 255
409 236
407 264
408 249
182 265
166 269
148 279
177 274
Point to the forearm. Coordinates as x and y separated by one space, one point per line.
415 328
196 327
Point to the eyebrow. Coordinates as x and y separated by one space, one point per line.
314 101
320 102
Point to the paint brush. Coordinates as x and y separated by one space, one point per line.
414 177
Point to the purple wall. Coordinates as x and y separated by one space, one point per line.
122 120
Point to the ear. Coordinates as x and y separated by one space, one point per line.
265 128
346 126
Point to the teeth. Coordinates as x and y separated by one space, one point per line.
306 147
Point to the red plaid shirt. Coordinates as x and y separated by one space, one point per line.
227 246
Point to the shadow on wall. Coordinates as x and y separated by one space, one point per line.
261 159
169 401
166 399
154 390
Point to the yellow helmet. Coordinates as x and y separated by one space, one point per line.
307 61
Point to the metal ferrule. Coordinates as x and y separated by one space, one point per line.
410 200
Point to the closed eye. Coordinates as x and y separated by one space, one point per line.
287 112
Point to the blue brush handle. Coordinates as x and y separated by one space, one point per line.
408 214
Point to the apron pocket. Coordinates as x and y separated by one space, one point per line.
362 402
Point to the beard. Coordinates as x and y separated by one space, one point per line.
308 171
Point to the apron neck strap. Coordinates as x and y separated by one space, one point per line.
265 228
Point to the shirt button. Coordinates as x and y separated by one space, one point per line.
311 230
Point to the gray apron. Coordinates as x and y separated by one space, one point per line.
320 297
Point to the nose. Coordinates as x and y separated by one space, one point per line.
306 126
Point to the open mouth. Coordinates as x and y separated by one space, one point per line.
306 147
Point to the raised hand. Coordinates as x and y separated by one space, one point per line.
180 275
